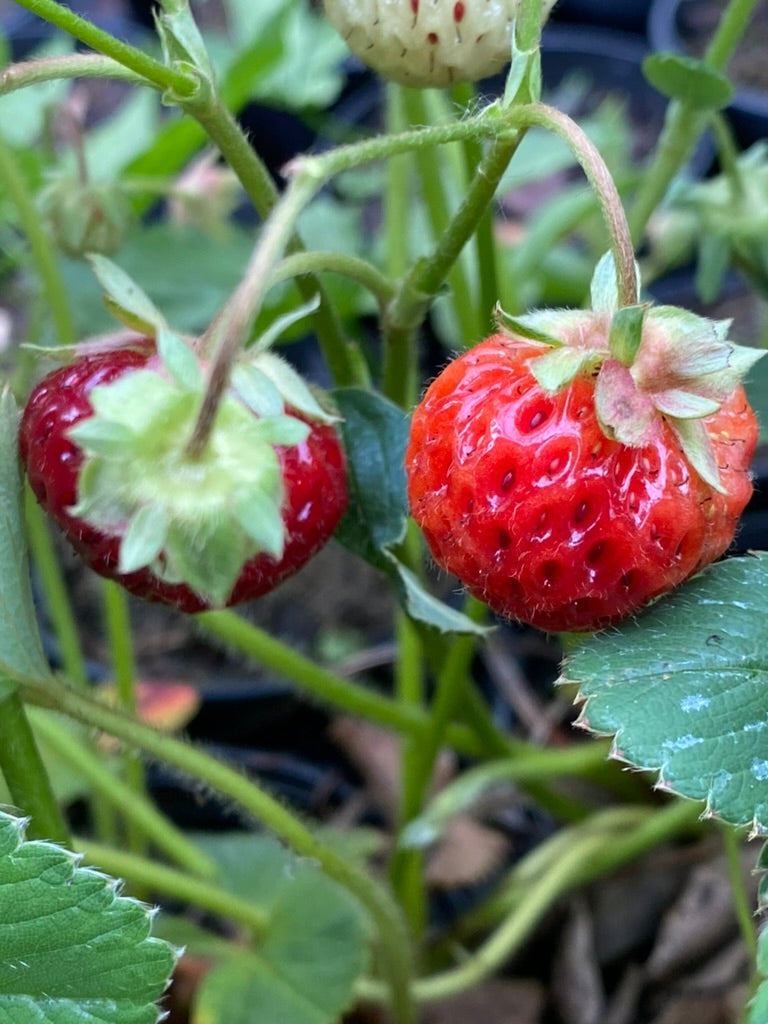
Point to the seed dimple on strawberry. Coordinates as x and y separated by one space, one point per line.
522 494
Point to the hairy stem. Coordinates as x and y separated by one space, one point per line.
320 261
49 69
15 186
741 905
25 773
324 685
118 623
134 807
342 356
152 877
227 335
392 939
182 83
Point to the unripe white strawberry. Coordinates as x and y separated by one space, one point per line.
429 42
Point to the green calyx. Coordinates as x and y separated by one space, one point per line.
85 217
652 365
197 518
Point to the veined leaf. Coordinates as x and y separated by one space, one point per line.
683 690
72 951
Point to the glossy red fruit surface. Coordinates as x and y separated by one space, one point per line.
541 515
314 478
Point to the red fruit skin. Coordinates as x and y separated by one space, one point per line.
314 475
521 495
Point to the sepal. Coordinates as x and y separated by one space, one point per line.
194 519
292 387
626 333
179 360
125 300
556 369
144 539
625 413
697 447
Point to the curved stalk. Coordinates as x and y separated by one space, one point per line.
394 948
25 774
134 807
40 244
181 83
158 878
79 65
319 261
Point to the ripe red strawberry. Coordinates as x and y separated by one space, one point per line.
429 42
194 498
571 505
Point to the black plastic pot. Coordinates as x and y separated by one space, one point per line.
627 16
748 112
613 62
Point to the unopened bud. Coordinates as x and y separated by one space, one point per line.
86 217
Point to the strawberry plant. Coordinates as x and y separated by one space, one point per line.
568 478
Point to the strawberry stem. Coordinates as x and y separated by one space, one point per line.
542 116
229 332
48 69
394 946
180 83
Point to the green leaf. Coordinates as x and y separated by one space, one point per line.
20 650
688 80
310 71
71 950
426 608
375 435
697 447
181 39
524 70
179 359
540 325
208 559
458 797
313 950
683 689
683 405
124 298
23 112
112 143
186 276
